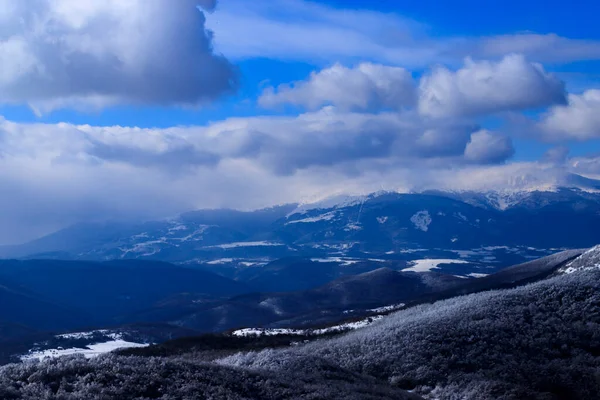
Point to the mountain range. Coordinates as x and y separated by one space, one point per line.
533 337
517 224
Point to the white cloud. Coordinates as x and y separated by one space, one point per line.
304 30
483 87
487 147
89 54
540 47
588 165
366 87
59 174
578 120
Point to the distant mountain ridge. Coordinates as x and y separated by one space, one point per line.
542 217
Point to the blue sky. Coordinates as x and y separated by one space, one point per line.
441 19
270 101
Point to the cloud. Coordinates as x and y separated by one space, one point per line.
486 147
91 54
304 30
578 120
478 88
483 87
58 174
280 145
366 87
587 165
543 48
556 155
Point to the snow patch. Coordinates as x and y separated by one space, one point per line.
477 275
282 331
323 217
392 307
343 261
92 350
221 261
429 264
421 220
339 201
245 244
588 261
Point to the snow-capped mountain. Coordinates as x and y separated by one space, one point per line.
384 224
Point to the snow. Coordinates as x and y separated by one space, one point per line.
177 227
92 350
283 331
221 261
477 275
323 217
244 244
352 227
461 216
392 307
338 201
343 261
194 235
88 335
590 260
427 265
421 220
270 304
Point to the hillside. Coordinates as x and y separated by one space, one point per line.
511 344
537 341
388 225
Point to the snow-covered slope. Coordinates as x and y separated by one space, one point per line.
590 260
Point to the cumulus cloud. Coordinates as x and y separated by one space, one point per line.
483 87
486 147
281 145
578 120
59 174
366 87
90 54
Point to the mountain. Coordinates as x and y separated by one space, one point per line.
330 302
348 296
182 236
493 227
537 341
534 342
22 310
63 295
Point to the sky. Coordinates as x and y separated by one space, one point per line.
132 110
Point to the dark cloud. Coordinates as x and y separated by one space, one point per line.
90 54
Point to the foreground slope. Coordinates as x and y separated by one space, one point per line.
539 341
118 378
